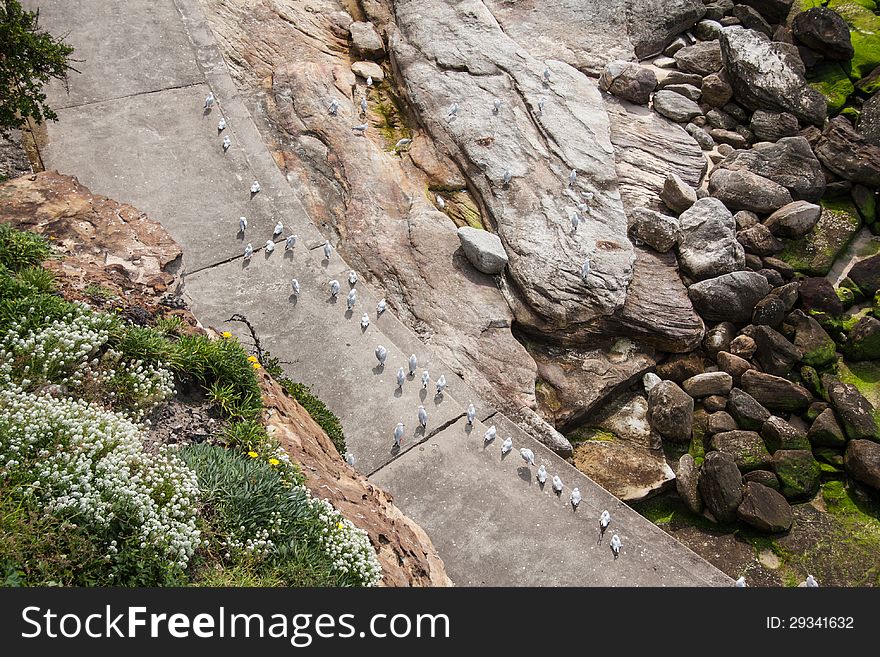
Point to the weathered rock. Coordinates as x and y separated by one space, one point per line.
862 461
716 90
368 69
718 118
707 29
769 311
721 421
848 154
816 252
763 477
855 412
863 340
759 240
707 246
775 11
680 77
732 138
715 11
708 383
703 138
825 430
824 31
744 190
657 230
729 297
652 25
774 392
869 119
788 162
720 485
751 19
733 365
687 90
365 40
626 471
818 295
772 126
483 249
677 194
718 338
743 346
746 411
714 403
628 80
779 434
671 411
788 293
866 274
774 354
675 106
764 509
703 58
811 340
769 75
687 483
745 219
680 367
793 220
649 380
798 473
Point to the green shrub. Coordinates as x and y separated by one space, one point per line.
20 249
325 418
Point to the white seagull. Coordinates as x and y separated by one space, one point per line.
506 446
380 307
398 433
575 498
227 142
351 299
508 176
248 251
557 484
441 384
209 100
811 582
547 74
572 178
381 354
290 242
279 228
365 321
527 455
242 224
604 521
270 246
327 250
542 475
255 187
453 110
334 107
401 377
541 105
295 285
369 80
221 125
352 277
615 545
364 104
575 220
423 416
426 379
440 202
471 413
585 269
413 364
489 436
362 128
334 288
406 141
496 105
740 583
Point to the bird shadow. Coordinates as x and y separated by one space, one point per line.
240 235
486 443
332 300
541 485
253 194
504 455
601 536
420 430
245 263
395 449
293 299
524 473
423 394
438 398
288 253
364 328
468 428
615 553
325 263
557 493
349 313
207 111
267 254
378 369
398 392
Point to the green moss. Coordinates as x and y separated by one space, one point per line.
821 355
846 296
798 474
832 81
865 376
460 206
864 28
583 434
867 4
669 510
829 456
816 252
546 396
812 381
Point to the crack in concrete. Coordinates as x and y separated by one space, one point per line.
424 439
134 95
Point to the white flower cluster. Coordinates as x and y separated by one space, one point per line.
347 545
147 385
89 462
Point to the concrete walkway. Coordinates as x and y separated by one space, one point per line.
133 128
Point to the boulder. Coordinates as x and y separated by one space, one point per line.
680 367
628 80
862 462
816 252
628 472
772 126
869 119
848 154
733 365
650 25
708 29
758 240
788 293
721 421
708 383
824 31
793 220
677 194
689 91
680 77
769 311
720 486
733 138
365 40
866 274
687 483
811 340
779 434
743 346
863 340
825 431
818 295
751 19
714 403
718 338
715 11
716 90
657 230
855 412
774 392
746 447
675 106
763 477
764 509
729 297
743 190
775 11
671 411
702 58
368 70
700 136
774 354
707 245
864 26
746 411
798 472
483 249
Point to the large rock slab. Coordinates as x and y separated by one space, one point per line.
764 509
855 412
365 40
671 411
702 58
794 220
744 190
628 80
774 392
675 107
746 447
483 249
729 297
769 75
847 153
707 245
721 485
626 471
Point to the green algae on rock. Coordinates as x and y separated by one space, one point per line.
864 34
830 80
815 252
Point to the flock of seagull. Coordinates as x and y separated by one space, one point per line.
381 352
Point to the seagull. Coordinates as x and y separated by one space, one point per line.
295 285
527 455
587 196
508 176
811 582
398 433
334 107
425 379
227 142
334 288
615 545
740 583
413 364
369 80
471 414
279 228
575 498
381 354
541 105
380 307
604 521
585 269
209 100
506 446
242 224
440 202
547 74
406 141
441 384
364 104
362 128
248 251
327 250
352 277
575 220
572 178
401 375
542 475
349 458
255 187
270 246
557 484
453 110
496 106
423 416
221 125
351 299
290 242
365 321
489 436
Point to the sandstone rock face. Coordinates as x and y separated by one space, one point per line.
769 75
707 246
483 249
671 411
721 486
628 80
628 472
365 40
729 297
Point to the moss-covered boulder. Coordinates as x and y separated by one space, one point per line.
746 447
815 252
870 83
864 28
863 340
799 473
826 431
830 80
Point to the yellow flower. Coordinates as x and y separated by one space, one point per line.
339 525
256 366
253 455
226 334
274 461
252 359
